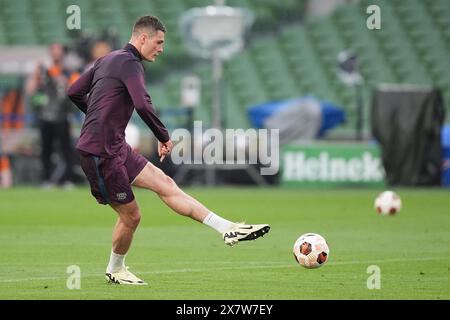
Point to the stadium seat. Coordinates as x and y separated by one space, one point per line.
412 46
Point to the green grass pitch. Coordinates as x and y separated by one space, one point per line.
44 232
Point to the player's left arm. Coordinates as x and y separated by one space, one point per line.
78 91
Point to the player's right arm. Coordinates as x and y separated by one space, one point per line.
78 91
164 149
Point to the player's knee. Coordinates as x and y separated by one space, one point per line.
133 220
169 185
169 181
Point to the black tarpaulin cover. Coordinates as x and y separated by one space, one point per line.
407 121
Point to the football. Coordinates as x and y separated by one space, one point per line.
388 203
311 250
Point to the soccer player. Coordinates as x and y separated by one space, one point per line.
107 93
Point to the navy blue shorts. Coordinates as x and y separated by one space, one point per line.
110 178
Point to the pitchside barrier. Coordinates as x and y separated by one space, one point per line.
331 165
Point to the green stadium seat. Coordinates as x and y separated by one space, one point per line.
284 58
17 7
242 76
159 96
273 68
3 39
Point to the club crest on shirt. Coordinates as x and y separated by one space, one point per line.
121 196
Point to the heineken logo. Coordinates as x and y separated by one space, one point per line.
327 167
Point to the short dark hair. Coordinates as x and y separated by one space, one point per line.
151 23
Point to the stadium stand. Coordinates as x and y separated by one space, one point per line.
286 55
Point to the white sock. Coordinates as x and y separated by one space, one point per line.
116 262
218 223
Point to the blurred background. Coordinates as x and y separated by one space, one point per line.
360 94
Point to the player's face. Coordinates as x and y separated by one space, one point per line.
153 45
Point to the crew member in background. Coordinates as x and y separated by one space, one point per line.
46 89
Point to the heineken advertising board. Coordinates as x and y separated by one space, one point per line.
331 165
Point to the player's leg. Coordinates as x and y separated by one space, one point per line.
110 185
155 179
128 220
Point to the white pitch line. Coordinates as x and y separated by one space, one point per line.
236 268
